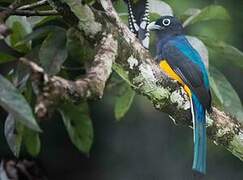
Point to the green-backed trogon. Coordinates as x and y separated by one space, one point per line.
180 61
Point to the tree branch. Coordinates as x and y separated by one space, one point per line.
4 14
89 87
19 12
140 70
33 5
166 95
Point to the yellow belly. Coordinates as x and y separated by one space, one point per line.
171 73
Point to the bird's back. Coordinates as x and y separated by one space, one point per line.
188 64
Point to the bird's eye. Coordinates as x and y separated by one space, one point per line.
166 22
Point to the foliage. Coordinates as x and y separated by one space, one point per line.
224 94
54 45
13 131
123 101
213 12
78 124
20 27
53 52
13 102
49 45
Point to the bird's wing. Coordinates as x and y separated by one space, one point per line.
190 69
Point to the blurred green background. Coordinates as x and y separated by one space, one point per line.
145 145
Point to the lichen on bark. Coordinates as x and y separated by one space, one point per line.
139 69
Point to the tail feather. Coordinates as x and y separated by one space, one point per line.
138 20
200 139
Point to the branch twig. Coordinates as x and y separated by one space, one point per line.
91 86
33 5
4 14
30 12
135 63
169 97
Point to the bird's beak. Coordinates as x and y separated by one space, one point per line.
153 26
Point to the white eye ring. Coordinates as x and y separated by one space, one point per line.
166 22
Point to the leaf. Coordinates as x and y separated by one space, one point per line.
189 12
53 52
39 33
154 16
213 12
40 21
215 92
81 11
20 28
32 141
6 49
75 44
89 2
225 51
13 102
85 16
78 124
160 7
124 101
20 79
46 20
6 57
13 131
225 93
123 74
120 6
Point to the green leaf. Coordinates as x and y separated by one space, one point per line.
123 74
20 28
6 57
154 16
75 44
79 10
89 2
120 6
85 16
78 124
38 21
225 93
189 12
13 131
32 142
124 101
224 51
53 52
39 33
213 12
217 96
13 102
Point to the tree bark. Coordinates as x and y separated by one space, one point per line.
139 69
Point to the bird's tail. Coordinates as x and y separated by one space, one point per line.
200 139
138 20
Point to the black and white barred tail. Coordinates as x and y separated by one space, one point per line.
138 20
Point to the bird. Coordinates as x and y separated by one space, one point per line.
138 20
181 62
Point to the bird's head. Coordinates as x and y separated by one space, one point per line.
166 25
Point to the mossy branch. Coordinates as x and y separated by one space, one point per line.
143 74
